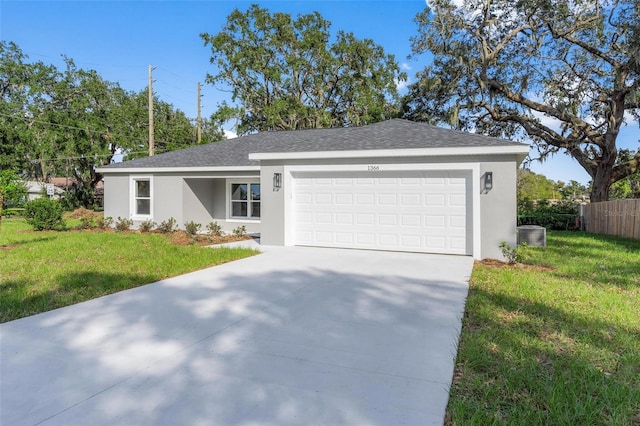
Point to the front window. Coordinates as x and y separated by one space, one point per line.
141 190
143 197
245 200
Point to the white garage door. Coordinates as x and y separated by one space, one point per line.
399 211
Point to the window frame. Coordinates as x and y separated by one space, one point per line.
133 198
249 201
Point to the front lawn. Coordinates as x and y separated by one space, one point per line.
556 343
40 271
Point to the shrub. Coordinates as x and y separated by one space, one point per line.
104 222
12 188
85 223
80 194
146 226
511 254
44 214
15 211
214 229
168 226
240 231
123 224
560 216
192 228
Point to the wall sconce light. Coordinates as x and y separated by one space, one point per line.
488 181
277 181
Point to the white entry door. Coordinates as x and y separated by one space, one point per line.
415 211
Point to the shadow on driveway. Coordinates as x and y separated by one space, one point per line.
292 336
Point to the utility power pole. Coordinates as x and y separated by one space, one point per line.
199 123
151 130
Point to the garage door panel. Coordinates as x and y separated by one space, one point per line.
457 181
388 199
433 221
344 219
412 211
414 181
410 199
458 221
457 200
321 181
322 199
365 219
343 181
304 237
323 218
434 242
458 243
387 219
365 199
344 238
411 241
386 181
325 237
304 197
434 200
434 181
366 239
410 220
365 181
304 217
344 199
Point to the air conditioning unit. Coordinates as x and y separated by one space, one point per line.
533 235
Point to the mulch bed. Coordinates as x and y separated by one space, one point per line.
495 263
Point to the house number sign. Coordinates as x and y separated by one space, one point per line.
373 168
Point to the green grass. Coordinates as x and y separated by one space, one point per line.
559 346
40 271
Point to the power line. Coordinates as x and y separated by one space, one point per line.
172 97
88 157
86 129
176 87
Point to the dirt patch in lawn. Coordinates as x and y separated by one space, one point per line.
82 213
495 263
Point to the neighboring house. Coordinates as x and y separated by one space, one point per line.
38 189
60 186
394 185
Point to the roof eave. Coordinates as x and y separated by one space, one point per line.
520 150
107 170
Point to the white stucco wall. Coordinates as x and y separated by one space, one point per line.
199 197
116 196
498 213
273 206
495 211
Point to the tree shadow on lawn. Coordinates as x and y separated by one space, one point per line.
529 363
596 259
22 298
13 244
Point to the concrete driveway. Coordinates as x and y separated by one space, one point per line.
291 336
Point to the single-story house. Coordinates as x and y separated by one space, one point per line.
59 186
395 185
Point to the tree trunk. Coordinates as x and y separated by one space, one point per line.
601 184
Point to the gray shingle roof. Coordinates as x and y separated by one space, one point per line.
390 134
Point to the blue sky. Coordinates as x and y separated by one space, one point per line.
120 39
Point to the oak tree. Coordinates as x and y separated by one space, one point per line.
68 122
564 75
286 73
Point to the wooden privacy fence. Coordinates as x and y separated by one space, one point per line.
619 217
